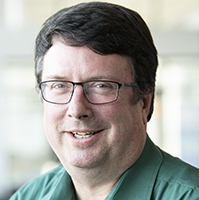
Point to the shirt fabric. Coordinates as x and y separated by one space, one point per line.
156 175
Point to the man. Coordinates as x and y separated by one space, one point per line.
95 67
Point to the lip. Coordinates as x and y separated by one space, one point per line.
84 131
84 141
84 134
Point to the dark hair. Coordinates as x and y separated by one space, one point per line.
106 29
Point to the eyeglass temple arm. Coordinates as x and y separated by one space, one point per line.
129 84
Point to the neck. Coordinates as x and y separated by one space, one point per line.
91 185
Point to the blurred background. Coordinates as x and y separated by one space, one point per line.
24 151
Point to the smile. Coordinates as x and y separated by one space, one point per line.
83 135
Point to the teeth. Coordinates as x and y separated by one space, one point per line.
82 135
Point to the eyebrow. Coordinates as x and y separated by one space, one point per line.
56 77
108 77
101 77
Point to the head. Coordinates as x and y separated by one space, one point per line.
96 42
105 29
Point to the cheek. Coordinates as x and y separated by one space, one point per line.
49 116
118 116
51 125
127 117
52 117
53 113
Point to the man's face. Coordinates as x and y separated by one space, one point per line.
118 127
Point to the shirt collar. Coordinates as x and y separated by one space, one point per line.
64 189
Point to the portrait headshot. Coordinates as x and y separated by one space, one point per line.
96 70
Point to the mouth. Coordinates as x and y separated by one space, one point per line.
83 135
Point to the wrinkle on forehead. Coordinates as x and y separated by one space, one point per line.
63 61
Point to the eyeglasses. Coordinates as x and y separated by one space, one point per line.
96 92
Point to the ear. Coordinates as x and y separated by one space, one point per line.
146 106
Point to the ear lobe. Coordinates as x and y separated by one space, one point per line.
146 106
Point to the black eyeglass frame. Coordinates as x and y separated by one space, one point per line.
133 84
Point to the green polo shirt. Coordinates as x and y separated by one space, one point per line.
156 175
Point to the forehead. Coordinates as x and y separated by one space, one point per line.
82 63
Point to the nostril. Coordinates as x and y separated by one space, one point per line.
83 116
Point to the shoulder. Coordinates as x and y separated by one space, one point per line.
175 170
177 178
40 185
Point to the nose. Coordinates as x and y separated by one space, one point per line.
79 107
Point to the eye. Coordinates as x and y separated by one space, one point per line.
103 85
61 87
